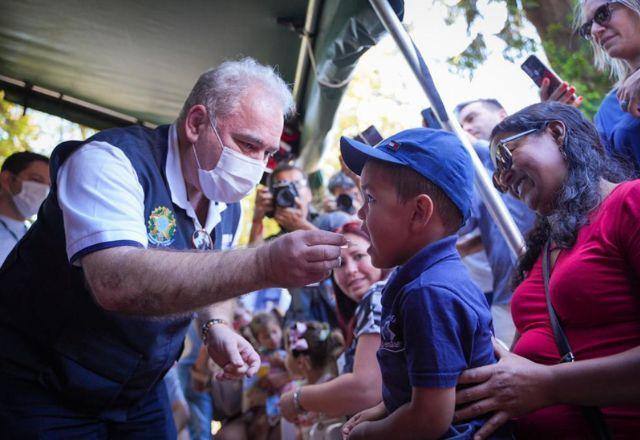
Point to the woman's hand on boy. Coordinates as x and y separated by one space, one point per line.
353 428
512 387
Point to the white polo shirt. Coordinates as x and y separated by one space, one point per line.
102 200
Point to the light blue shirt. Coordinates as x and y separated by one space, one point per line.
11 231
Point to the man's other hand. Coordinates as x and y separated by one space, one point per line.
232 353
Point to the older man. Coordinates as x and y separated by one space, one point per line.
95 301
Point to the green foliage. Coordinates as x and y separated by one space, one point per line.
16 130
570 57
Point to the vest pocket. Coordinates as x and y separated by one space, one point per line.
90 369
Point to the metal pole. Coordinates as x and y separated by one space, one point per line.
490 196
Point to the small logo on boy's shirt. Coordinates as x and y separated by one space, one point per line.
390 340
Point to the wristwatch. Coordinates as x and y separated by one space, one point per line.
204 331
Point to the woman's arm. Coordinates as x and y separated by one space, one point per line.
427 416
516 386
348 393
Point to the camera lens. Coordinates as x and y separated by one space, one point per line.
286 198
344 202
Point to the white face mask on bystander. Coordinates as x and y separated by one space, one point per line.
233 177
30 197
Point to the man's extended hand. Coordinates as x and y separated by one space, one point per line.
302 257
232 353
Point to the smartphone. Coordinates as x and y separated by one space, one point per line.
370 136
538 71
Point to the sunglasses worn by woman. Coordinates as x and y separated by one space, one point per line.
601 16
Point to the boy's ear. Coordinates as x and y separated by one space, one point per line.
422 211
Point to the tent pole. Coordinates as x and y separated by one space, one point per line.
490 196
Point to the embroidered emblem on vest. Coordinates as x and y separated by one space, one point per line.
161 226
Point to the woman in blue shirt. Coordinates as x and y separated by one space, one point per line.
613 28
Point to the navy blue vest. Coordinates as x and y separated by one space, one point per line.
51 329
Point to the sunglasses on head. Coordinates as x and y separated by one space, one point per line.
201 240
601 16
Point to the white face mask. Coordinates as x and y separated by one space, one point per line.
234 176
30 197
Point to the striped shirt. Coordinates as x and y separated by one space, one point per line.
367 315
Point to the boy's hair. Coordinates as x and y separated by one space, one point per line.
260 322
409 183
325 345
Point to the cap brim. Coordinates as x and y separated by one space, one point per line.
356 154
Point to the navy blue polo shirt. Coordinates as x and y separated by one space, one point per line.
435 324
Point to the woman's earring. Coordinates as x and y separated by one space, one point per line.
563 152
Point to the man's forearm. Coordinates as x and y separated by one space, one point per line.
223 310
159 282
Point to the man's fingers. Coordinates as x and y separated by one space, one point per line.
312 238
491 425
251 359
477 375
321 253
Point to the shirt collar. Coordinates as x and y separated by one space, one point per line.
16 226
178 189
423 260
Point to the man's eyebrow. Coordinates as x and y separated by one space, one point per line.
251 139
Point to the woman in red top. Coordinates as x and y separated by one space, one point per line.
549 156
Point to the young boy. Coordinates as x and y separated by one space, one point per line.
417 187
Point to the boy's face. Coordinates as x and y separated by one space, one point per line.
384 217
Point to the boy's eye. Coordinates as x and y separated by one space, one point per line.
370 198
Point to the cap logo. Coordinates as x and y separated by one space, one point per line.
394 145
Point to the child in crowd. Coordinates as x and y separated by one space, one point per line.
311 356
262 392
417 188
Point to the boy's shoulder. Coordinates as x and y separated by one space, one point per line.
441 286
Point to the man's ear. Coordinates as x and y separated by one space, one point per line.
195 121
422 211
5 181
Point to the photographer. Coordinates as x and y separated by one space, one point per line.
288 201
345 195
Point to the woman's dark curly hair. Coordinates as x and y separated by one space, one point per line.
580 195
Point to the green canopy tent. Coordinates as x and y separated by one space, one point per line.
114 63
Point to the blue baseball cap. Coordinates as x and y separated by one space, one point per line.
436 154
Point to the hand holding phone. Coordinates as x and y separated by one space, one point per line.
552 88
